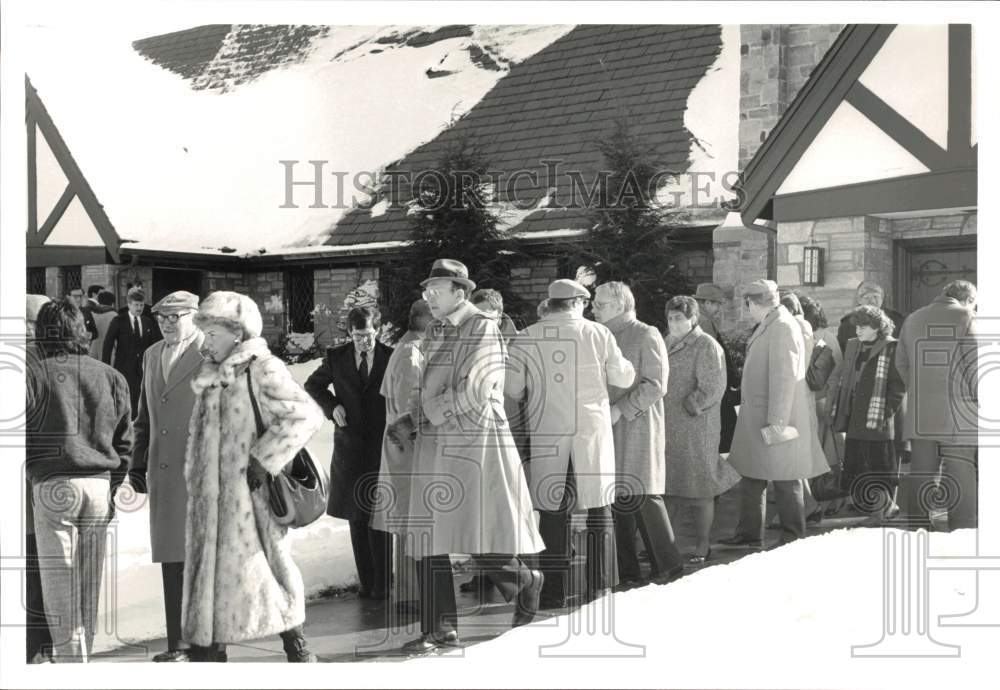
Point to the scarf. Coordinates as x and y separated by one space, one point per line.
876 405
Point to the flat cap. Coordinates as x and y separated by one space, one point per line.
761 287
564 288
710 291
175 302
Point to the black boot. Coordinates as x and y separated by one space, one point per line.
296 647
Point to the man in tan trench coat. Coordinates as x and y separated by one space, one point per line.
775 401
468 493
161 434
565 363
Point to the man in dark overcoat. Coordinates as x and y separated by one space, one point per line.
357 408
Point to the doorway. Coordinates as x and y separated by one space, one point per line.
924 266
167 280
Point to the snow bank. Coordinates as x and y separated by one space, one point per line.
132 601
199 169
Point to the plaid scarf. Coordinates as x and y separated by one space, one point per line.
876 406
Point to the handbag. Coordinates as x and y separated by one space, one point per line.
297 495
830 486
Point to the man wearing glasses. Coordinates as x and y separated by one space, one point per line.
468 491
76 297
355 371
161 432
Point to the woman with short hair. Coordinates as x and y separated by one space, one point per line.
865 395
696 473
240 582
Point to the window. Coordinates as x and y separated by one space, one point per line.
299 301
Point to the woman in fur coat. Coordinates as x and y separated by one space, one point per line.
240 582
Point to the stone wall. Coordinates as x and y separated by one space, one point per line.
267 289
332 286
530 281
697 265
741 256
98 274
776 60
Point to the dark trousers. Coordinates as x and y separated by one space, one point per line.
37 635
649 515
173 591
960 477
438 611
554 561
372 556
753 507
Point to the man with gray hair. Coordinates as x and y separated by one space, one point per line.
563 365
640 441
871 294
937 357
776 438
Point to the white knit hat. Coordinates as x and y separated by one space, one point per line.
232 310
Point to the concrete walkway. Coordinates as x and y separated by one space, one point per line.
345 628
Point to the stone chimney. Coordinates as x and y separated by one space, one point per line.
775 61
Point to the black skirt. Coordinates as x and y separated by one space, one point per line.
871 472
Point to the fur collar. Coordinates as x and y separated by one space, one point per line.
211 374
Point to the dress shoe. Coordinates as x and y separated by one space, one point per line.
432 641
697 559
172 655
669 576
549 601
815 517
742 540
527 601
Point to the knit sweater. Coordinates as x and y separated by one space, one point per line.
78 418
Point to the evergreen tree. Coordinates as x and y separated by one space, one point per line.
628 237
451 217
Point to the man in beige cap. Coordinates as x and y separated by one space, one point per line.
776 438
468 492
161 433
563 365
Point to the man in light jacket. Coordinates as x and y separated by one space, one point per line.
640 441
161 434
937 358
775 403
564 365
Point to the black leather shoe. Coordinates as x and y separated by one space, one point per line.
670 575
432 641
741 540
172 655
475 584
527 601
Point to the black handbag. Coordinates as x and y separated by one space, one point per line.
297 495
830 485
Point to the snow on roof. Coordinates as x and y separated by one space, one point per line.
192 162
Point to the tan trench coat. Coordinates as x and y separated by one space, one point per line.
564 365
774 391
639 434
468 490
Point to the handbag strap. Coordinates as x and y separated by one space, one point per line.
253 401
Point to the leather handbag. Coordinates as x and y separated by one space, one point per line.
297 495
830 486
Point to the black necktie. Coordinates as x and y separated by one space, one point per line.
363 369
135 328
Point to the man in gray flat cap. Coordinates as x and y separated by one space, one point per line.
564 365
776 438
161 432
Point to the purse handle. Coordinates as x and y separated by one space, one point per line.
253 401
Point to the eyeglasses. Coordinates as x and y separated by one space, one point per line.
172 318
76 295
436 292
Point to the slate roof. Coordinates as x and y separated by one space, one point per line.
557 105
185 53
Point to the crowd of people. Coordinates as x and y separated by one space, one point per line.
472 437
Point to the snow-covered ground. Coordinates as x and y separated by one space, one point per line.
132 599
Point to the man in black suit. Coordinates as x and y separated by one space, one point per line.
129 334
357 408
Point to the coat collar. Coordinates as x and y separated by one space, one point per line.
675 345
771 317
459 315
188 362
621 322
211 374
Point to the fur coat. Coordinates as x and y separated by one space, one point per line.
240 582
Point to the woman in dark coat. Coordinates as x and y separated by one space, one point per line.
865 394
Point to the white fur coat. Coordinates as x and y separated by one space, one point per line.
240 582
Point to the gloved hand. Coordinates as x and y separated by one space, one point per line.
255 474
